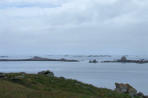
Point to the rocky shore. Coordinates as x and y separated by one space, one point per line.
36 58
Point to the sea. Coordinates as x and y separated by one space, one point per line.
103 75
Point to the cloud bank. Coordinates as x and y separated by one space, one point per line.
74 27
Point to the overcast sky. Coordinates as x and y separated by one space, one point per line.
73 27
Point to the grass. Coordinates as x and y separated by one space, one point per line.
42 86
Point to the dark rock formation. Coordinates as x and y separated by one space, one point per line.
123 59
93 61
47 73
140 94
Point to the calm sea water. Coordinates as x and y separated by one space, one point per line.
100 74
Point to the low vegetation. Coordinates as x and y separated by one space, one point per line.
44 85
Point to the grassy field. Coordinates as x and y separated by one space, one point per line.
18 85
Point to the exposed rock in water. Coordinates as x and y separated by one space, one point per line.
47 73
93 61
123 59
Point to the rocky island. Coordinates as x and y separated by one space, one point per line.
93 61
125 60
36 58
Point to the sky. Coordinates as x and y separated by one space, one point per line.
74 27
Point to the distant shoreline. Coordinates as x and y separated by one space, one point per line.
36 58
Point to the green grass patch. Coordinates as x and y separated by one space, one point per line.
42 86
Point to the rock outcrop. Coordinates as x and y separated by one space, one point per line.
123 59
128 89
47 73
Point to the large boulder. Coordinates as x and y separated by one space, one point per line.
126 88
47 73
140 94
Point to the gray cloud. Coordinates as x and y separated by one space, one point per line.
76 26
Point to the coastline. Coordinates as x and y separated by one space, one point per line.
36 58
